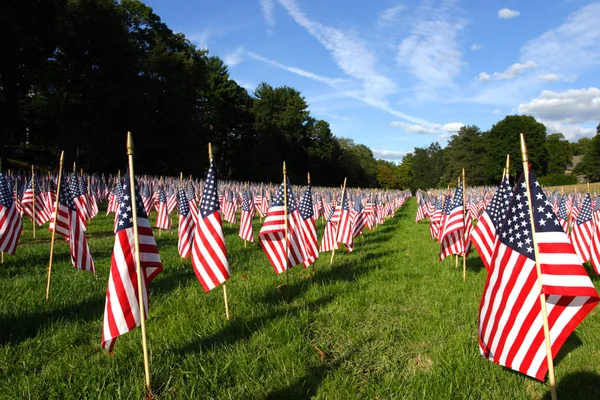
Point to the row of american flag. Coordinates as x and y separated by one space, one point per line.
498 224
201 208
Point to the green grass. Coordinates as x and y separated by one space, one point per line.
386 321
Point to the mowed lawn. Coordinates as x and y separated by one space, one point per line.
387 321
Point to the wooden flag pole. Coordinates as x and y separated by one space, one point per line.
508 165
33 188
456 255
138 264
308 181
539 273
465 216
210 159
338 222
54 218
285 222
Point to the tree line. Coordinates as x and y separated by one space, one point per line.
75 75
483 155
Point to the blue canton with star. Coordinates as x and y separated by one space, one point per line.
210 196
6 198
125 206
182 203
306 208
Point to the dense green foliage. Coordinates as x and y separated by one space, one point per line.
557 180
386 321
77 74
590 165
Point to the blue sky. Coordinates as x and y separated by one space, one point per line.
398 74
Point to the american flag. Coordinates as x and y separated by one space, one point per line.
452 237
171 202
421 210
308 227
595 250
186 225
328 241
272 233
10 220
162 219
510 321
344 223
358 217
246 218
563 218
368 213
229 208
122 309
62 214
583 230
78 247
436 218
79 197
209 255
147 198
485 234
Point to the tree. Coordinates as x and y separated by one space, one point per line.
466 149
405 174
504 138
590 164
578 148
560 153
387 177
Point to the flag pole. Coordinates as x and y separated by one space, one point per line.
508 165
456 255
338 222
210 159
308 181
138 264
465 223
539 273
55 217
33 188
285 222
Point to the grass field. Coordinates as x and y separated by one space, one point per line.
386 321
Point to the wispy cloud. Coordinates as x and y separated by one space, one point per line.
507 13
477 46
511 72
200 39
431 52
234 57
388 16
572 47
431 129
267 7
350 53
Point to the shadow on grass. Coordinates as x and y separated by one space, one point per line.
306 386
173 278
474 264
240 328
15 329
578 386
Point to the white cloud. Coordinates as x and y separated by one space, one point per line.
416 128
572 132
429 129
477 46
507 13
453 127
267 7
234 57
549 77
573 46
200 39
387 16
298 71
483 77
351 54
497 111
390 155
432 51
514 70
575 106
